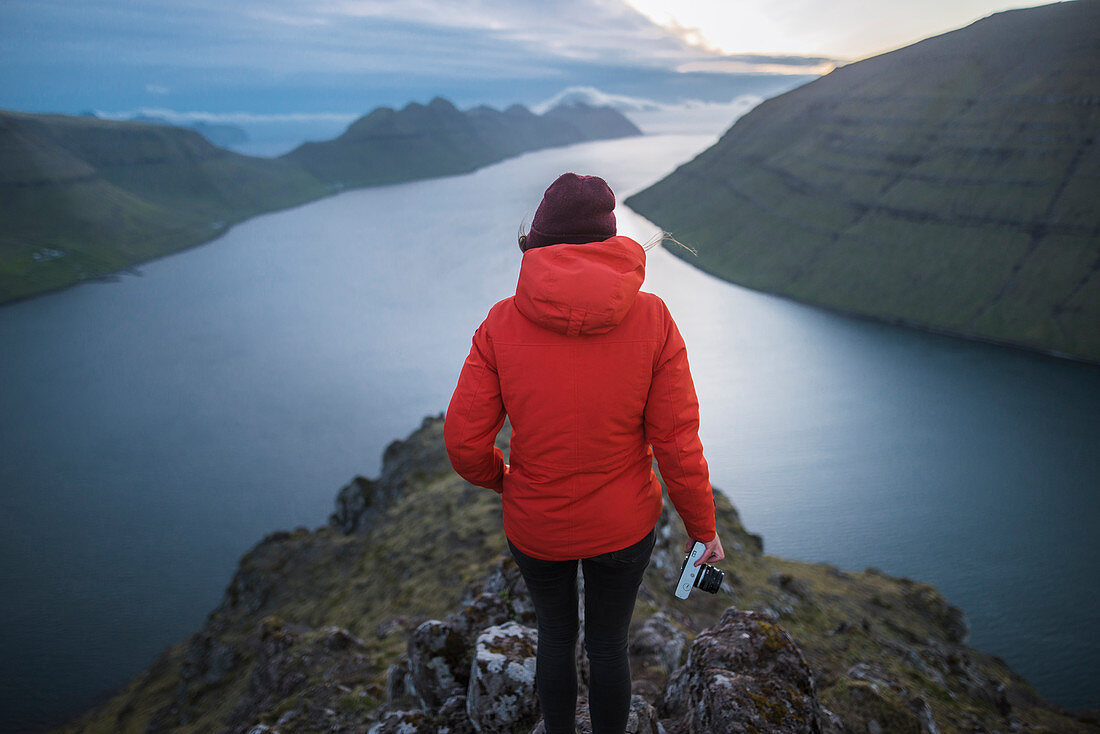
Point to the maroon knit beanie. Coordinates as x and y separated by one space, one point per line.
574 210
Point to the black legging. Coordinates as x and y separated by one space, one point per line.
611 585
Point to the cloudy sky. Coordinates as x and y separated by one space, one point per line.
322 57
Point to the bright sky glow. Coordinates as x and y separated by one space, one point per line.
346 56
848 29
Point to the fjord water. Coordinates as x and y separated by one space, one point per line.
155 428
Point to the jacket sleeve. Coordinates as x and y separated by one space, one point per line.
672 428
475 416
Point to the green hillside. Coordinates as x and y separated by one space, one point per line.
952 184
437 139
82 197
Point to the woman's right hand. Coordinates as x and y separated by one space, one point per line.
712 552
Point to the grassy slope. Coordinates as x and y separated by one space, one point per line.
951 184
82 197
422 141
382 580
110 194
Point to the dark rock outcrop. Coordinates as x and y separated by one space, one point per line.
502 696
439 664
744 674
319 632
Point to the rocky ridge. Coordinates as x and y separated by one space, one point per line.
362 626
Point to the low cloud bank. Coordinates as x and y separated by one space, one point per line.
268 134
691 117
276 133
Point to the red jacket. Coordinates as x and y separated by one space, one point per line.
592 372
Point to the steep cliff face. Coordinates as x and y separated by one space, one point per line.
437 139
404 615
951 184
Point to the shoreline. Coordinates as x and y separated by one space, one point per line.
898 321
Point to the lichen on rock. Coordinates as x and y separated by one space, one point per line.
501 697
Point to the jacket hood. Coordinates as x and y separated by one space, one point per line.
580 289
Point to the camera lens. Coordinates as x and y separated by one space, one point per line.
709 579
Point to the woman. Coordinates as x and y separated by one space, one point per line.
592 373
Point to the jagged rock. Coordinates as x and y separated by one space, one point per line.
208 660
659 643
398 688
403 722
931 604
317 669
656 650
743 674
874 675
924 716
393 624
403 464
506 582
831 723
887 702
501 696
485 610
643 718
452 717
979 684
789 584
439 663
878 703
355 502
249 589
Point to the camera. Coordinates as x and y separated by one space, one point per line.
706 577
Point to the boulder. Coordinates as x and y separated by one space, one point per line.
403 722
659 644
744 674
325 673
506 582
656 650
439 664
501 695
398 687
404 463
482 612
452 717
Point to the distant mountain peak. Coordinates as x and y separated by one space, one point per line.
439 139
107 194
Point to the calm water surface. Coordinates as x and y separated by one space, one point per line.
153 429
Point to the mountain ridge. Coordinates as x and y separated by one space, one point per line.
949 185
438 139
83 197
